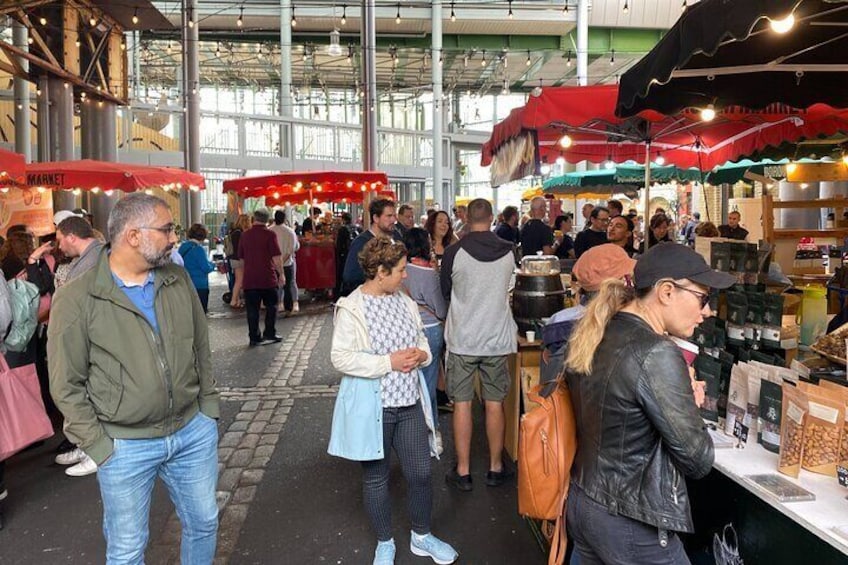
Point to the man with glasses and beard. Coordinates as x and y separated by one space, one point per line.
130 369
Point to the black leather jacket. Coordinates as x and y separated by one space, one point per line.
639 433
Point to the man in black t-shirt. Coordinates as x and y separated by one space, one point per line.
596 234
536 235
732 229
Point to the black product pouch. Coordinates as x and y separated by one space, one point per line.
737 257
754 319
726 360
771 406
737 313
772 320
720 256
751 259
708 370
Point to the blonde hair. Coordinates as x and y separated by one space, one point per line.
613 295
242 222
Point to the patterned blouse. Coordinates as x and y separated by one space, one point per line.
391 328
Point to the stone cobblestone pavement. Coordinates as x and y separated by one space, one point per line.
247 445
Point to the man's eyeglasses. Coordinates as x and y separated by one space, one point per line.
167 229
703 297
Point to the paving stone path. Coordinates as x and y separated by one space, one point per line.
247 445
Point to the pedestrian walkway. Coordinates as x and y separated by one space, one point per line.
282 498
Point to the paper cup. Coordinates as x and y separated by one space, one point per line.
689 349
531 335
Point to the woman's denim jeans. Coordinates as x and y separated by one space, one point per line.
436 340
187 462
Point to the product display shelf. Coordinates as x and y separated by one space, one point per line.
822 516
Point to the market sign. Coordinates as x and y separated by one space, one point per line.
816 172
774 171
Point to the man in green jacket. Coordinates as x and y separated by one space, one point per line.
130 370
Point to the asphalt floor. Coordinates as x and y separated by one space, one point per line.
304 506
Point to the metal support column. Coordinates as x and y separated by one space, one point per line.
106 122
285 59
369 79
60 96
191 39
439 191
43 119
583 42
22 125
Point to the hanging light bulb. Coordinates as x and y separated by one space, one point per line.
783 25
350 54
441 59
510 15
684 6
527 62
612 57
565 8
397 16
135 17
626 7
609 164
217 49
334 49
565 141
505 90
708 114
77 42
453 12
123 45
293 18
43 21
483 59
844 157
168 49
660 160
190 18
30 40
465 61
92 20
240 20
568 60
344 15
505 61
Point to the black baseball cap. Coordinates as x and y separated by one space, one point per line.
675 261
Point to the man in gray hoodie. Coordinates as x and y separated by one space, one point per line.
480 334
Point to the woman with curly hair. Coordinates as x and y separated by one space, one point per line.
441 232
383 402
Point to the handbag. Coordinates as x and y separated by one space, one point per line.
23 419
546 447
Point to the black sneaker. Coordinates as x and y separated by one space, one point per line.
497 478
65 446
459 482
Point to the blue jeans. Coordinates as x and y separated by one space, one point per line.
436 340
187 462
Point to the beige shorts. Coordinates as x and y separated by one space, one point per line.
494 377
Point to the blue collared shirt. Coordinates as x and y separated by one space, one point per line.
142 295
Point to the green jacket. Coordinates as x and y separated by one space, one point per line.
112 376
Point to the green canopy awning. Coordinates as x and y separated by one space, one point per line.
621 178
731 173
635 174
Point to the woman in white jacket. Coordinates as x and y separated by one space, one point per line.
383 403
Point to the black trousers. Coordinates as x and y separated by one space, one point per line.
288 289
252 299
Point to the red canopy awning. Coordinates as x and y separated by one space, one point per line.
325 186
12 167
587 115
88 174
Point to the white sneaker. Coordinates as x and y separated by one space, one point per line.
71 457
3 494
439 447
296 306
85 467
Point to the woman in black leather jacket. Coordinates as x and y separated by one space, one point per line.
639 432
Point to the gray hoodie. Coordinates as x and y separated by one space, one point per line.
475 277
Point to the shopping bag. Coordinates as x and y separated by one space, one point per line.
23 419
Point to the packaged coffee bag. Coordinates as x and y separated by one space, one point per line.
771 408
708 370
842 392
737 313
822 430
792 420
737 398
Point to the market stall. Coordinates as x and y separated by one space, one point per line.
99 180
316 259
20 204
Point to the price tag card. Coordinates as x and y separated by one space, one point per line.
842 475
740 431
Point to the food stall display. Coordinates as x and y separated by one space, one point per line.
316 261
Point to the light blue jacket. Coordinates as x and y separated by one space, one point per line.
357 430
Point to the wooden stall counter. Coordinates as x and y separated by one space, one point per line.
524 372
